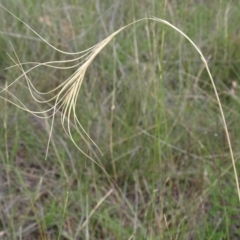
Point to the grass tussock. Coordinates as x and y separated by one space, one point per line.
160 149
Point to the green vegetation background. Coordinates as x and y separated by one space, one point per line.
146 101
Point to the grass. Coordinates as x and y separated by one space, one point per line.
146 101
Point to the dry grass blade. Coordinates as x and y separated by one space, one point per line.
95 209
66 94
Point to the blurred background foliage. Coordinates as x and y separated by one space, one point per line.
146 101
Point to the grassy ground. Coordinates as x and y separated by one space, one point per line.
146 101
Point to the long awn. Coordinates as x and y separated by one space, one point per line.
67 92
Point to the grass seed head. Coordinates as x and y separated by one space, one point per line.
66 94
